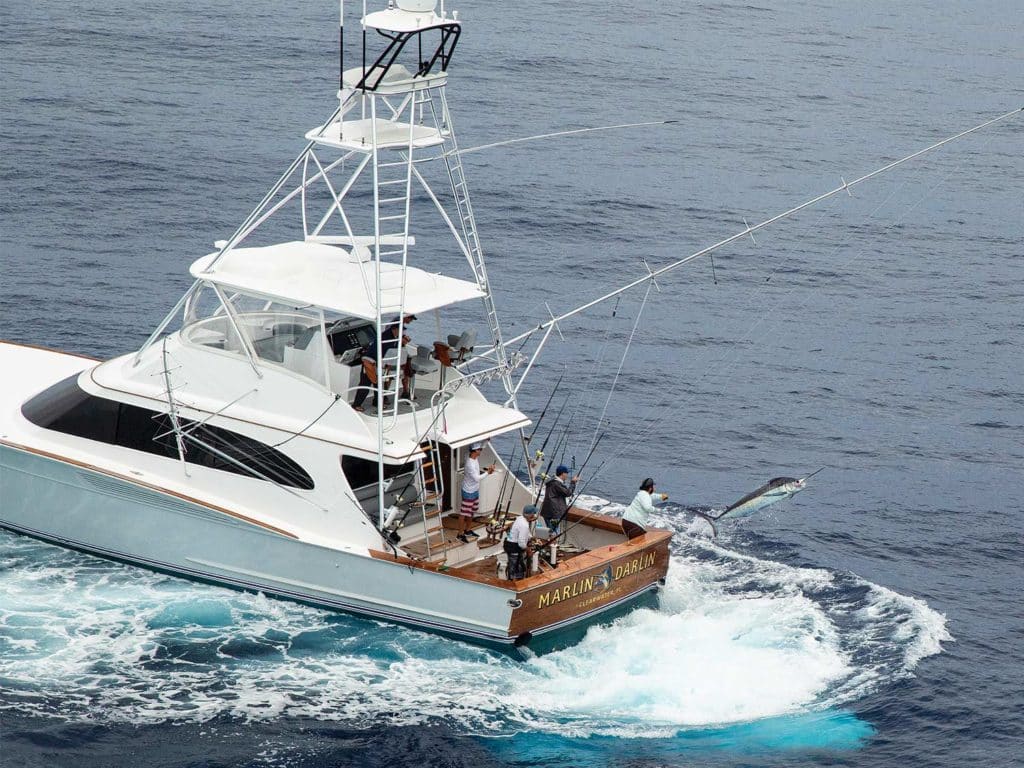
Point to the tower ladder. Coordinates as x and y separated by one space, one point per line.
467 222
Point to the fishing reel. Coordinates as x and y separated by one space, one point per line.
497 525
394 520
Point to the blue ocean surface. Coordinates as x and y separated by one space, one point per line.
873 620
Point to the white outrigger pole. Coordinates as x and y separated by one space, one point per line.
652 275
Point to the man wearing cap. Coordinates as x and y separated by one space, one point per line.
388 342
634 519
370 364
517 543
471 492
557 492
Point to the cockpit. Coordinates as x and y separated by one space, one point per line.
293 338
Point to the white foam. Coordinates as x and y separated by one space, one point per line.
919 629
736 638
707 659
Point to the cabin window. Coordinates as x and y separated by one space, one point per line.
361 473
67 408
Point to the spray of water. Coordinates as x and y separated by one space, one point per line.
735 639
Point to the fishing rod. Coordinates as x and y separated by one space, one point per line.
558 418
652 275
500 521
536 427
540 451
582 488
563 443
559 450
497 521
504 480
508 505
570 505
546 405
546 474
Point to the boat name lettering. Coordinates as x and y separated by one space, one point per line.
599 582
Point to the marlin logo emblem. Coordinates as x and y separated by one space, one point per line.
604 580
775 490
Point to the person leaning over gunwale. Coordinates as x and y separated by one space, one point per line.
634 519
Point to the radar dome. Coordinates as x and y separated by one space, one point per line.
417 6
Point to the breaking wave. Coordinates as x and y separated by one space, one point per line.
735 639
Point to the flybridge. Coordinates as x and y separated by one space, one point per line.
332 306
392 116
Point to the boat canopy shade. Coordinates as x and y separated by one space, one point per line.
479 420
398 20
301 273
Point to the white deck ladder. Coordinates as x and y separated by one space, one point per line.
431 501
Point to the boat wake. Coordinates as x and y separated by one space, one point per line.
735 639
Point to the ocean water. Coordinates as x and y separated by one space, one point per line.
873 620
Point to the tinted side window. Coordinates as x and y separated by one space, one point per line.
363 472
66 408
222 449
139 428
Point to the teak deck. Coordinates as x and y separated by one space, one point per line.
579 585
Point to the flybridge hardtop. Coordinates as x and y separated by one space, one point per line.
330 277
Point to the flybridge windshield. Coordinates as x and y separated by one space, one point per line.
326 347
292 337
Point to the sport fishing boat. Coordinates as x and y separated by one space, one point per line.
279 432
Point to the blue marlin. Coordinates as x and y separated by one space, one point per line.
775 490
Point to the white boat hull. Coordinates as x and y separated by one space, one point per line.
86 509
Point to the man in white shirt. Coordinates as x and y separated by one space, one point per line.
517 543
471 492
634 519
